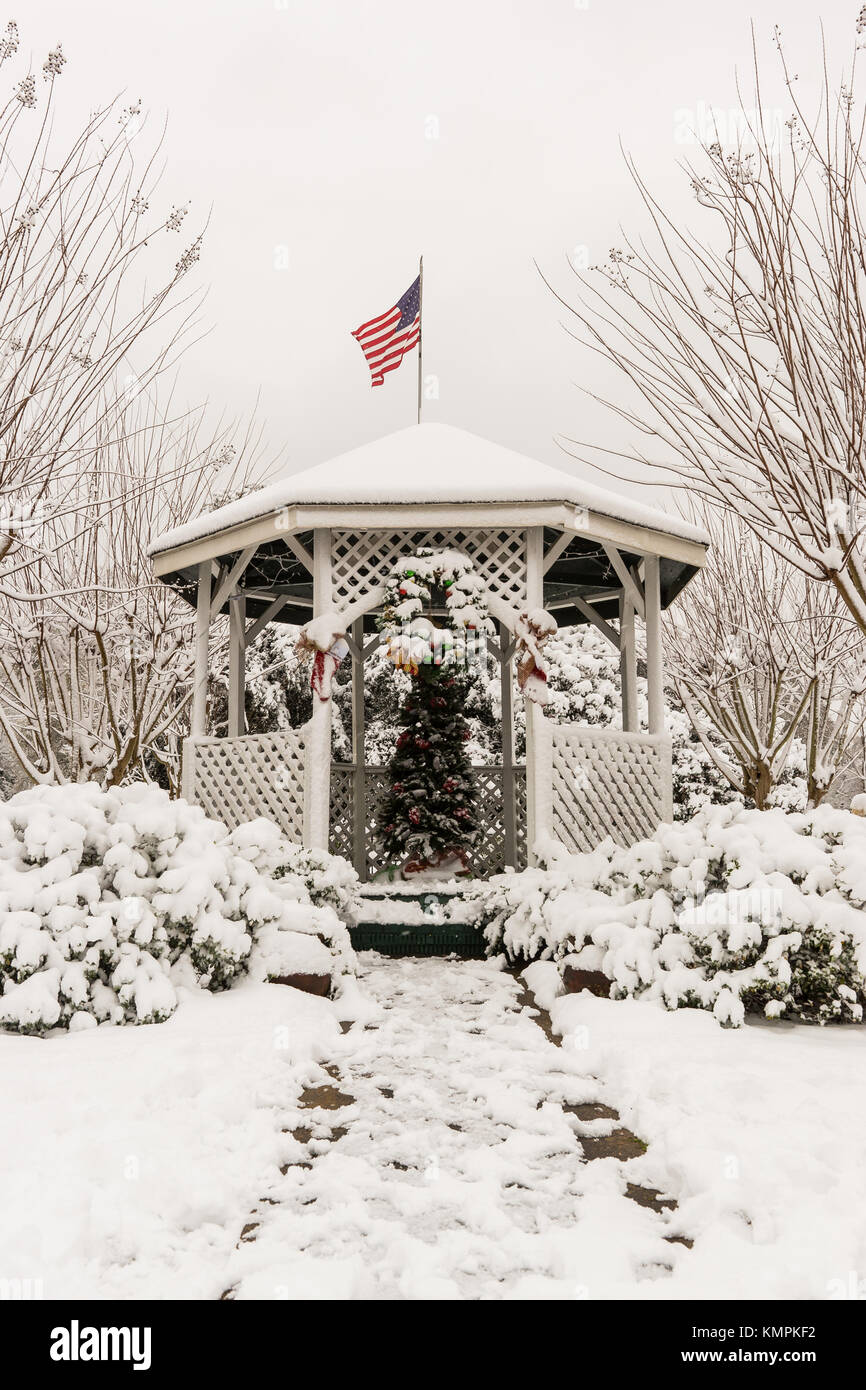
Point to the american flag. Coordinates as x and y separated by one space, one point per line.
386 340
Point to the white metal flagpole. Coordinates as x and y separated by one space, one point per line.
420 328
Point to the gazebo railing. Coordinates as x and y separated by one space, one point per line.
603 782
606 782
360 843
238 779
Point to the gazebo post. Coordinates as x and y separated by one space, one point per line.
198 722
627 664
317 755
654 659
506 703
539 745
359 781
198 715
237 664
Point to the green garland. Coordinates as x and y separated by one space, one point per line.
412 640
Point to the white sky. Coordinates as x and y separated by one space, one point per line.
305 124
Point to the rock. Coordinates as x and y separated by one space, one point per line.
575 980
310 984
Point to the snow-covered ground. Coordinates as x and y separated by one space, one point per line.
759 1133
459 1174
130 1157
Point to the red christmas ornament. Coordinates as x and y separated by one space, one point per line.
414 815
449 784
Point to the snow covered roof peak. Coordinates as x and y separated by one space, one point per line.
432 464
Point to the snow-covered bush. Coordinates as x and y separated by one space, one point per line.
109 899
326 883
735 911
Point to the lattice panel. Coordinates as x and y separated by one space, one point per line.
238 779
360 559
340 838
606 782
488 858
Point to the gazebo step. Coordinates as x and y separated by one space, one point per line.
399 939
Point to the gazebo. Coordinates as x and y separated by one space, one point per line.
325 541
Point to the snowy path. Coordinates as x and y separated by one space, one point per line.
454 1171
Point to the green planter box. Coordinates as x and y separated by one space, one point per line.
392 939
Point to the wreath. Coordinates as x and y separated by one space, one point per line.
412 640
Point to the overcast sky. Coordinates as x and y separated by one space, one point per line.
344 138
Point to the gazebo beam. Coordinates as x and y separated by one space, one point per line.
300 552
263 619
553 553
226 586
630 584
597 620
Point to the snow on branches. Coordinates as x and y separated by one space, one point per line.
745 338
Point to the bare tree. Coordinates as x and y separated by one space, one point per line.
745 340
96 655
760 654
76 230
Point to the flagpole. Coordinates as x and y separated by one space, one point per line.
420 324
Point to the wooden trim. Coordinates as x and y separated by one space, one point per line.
563 516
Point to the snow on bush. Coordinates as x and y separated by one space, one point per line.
735 911
108 899
326 887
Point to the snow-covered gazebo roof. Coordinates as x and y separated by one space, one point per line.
424 477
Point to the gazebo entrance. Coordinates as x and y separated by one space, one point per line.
321 545
503 823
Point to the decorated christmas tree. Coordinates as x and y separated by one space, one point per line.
427 816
